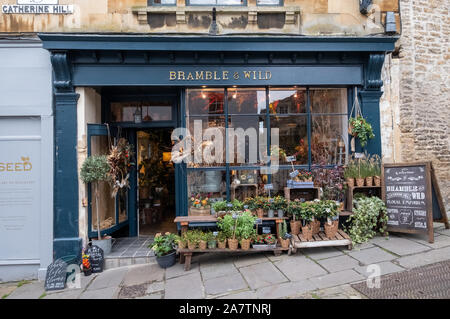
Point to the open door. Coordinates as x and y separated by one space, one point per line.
113 211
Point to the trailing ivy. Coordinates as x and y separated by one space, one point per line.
369 214
361 129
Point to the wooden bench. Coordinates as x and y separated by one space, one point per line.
186 254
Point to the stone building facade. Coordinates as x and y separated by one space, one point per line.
415 108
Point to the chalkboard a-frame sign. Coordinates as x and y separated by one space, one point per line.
413 199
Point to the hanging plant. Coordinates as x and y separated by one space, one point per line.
120 162
361 129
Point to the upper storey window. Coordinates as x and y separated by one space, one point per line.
164 2
216 2
269 2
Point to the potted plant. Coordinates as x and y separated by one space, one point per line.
211 239
376 169
228 224
331 212
362 130
193 238
259 205
203 240
280 205
181 241
221 240
200 205
270 207
245 229
294 209
219 207
350 173
284 236
270 240
87 270
307 216
95 170
164 248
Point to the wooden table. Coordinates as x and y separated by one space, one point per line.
186 254
185 220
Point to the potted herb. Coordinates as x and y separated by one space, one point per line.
284 236
181 241
280 204
211 240
376 165
220 208
164 248
203 240
307 216
331 212
227 224
350 173
193 238
245 229
360 129
95 170
221 240
294 209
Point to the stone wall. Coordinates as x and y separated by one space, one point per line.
424 90
307 17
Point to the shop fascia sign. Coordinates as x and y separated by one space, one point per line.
37 7
218 75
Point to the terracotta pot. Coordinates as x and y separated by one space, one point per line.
350 182
359 182
222 244
202 244
295 227
307 232
245 244
341 206
233 244
315 227
331 230
192 245
284 242
260 213
369 181
377 180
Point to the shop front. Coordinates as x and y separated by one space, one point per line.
141 88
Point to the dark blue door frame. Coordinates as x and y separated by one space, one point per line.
142 60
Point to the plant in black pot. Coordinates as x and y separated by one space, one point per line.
164 248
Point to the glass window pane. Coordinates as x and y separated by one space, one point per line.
165 2
329 139
205 101
210 183
206 122
106 203
293 137
149 111
268 2
218 2
204 2
249 137
246 101
245 183
122 196
284 101
329 101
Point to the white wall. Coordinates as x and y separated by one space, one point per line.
26 136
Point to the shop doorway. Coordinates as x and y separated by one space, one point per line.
155 181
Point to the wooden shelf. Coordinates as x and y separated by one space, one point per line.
350 193
315 190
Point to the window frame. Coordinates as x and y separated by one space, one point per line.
188 3
309 115
280 4
153 4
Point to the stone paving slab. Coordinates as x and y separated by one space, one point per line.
65 294
109 278
155 287
151 296
32 290
371 255
250 259
401 246
321 252
341 292
104 293
185 287
261 275
177 270
6 289
142 274
217 269
426 258
220 285
240 295
284 290
386 267
440 241
338 263
443 231
337 278
299 267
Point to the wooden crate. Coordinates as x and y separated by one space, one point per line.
368 190
320 240
309 193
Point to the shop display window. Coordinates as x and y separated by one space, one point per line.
147 111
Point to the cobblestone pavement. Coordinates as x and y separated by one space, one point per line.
311 273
